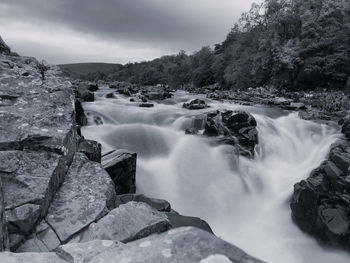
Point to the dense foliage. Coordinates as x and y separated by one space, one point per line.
292 44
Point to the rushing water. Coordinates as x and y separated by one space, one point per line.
246 202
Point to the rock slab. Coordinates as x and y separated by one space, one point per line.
86 195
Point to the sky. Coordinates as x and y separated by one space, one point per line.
115 31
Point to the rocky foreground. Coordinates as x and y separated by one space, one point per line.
61 201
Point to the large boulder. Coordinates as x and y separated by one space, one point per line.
186 244
125 223
321 203
86 195
236 128
121 166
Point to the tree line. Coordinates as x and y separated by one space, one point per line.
291 44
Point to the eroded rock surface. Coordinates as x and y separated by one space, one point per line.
128 222
186 244
321 203
86 195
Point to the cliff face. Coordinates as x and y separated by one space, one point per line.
55 195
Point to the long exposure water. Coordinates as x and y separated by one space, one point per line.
246 202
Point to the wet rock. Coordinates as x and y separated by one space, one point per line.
83 93
30 257
92 87
296 106
146 105
86 195
158 204
158 95
177 220
91 149
110 95
121 166
196 104
128 222
44 239
236 128
186 244
191 131
85 252
321 203
80 116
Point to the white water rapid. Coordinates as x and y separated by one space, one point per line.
246 202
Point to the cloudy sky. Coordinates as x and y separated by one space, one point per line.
120 31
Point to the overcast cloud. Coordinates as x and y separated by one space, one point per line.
120 31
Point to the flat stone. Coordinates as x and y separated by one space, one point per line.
128 222
86 195
121 166
9 257
186 244
84 252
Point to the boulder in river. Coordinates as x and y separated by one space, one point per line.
82 92
196 104
146 105
121 166
236 128
321 203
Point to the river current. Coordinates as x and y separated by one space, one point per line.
246 202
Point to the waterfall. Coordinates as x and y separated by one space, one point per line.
245 201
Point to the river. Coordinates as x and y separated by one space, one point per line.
246 202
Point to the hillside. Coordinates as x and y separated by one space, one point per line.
86 69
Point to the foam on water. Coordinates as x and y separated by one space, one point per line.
246 202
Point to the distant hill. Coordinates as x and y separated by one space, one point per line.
84 69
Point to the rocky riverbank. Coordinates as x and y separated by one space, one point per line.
321 203
61 201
